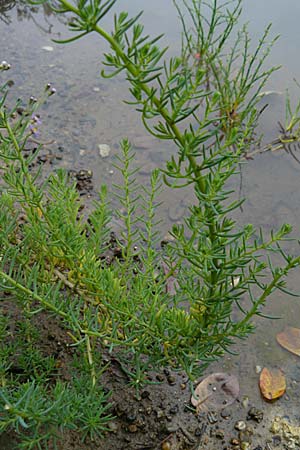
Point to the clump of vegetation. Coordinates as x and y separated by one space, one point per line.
54 259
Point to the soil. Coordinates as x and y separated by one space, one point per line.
161 416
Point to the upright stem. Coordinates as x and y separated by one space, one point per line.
90 359
178 136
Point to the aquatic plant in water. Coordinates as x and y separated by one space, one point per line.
54 259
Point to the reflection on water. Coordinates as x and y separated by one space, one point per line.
39 15
5 6
25 11
87 111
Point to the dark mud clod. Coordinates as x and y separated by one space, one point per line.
255 414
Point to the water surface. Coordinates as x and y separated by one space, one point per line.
87 111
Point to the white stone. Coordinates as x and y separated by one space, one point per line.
104 150
47 48
258 369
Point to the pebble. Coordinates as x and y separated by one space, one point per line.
48 48
171 380
167 239
159 413
225 414
104 150
131 417
240 425
255 414
132 428
166 445
199 431
245 402
174 409
245 436
160 377
277 440
212 417
220 434
145 394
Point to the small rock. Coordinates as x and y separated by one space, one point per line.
199 431
245 402
166 446
104 150
160 377
240 425
255 414
258 369
225 414
171 380
245 445
96 89
212 417
277 440
145 394
132 428
220 434
48 48
159 413
168 238
245 436
174 409
131 417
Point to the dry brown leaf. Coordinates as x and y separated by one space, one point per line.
215 392
289 339
272 383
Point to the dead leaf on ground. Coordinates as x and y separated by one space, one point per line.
289 339
272 383
215 392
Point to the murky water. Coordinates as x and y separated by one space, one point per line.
87 111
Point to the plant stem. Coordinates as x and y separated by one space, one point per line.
178 136
90 359
32 294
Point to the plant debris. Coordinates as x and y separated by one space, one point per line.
289 339
215 392
272 383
